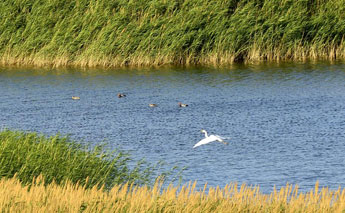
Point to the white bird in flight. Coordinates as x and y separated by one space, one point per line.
209 139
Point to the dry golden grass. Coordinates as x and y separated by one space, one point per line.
233 198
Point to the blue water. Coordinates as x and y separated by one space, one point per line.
285 122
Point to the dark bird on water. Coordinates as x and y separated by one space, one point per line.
182 105
120 95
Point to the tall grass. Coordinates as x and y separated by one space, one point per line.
128 198
58 159
155 32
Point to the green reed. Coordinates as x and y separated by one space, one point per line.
155 32
58 159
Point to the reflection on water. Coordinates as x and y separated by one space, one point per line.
286 122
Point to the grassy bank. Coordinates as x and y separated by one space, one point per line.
58 159
91 33
233 198
55 174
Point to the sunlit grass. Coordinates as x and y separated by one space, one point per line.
92 33
70 197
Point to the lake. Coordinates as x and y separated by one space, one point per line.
285 122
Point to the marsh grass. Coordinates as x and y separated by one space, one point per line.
71 197
91 33
58 159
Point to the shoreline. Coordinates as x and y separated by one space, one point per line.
64 62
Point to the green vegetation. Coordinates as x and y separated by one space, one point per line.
113 33
28 155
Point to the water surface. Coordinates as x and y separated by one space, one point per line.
285 122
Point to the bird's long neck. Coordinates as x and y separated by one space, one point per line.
206 135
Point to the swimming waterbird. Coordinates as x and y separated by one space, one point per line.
182 105
120 95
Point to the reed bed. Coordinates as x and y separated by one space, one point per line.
59 159
112 33
71 197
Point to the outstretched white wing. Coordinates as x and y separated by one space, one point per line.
206 141
220 138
